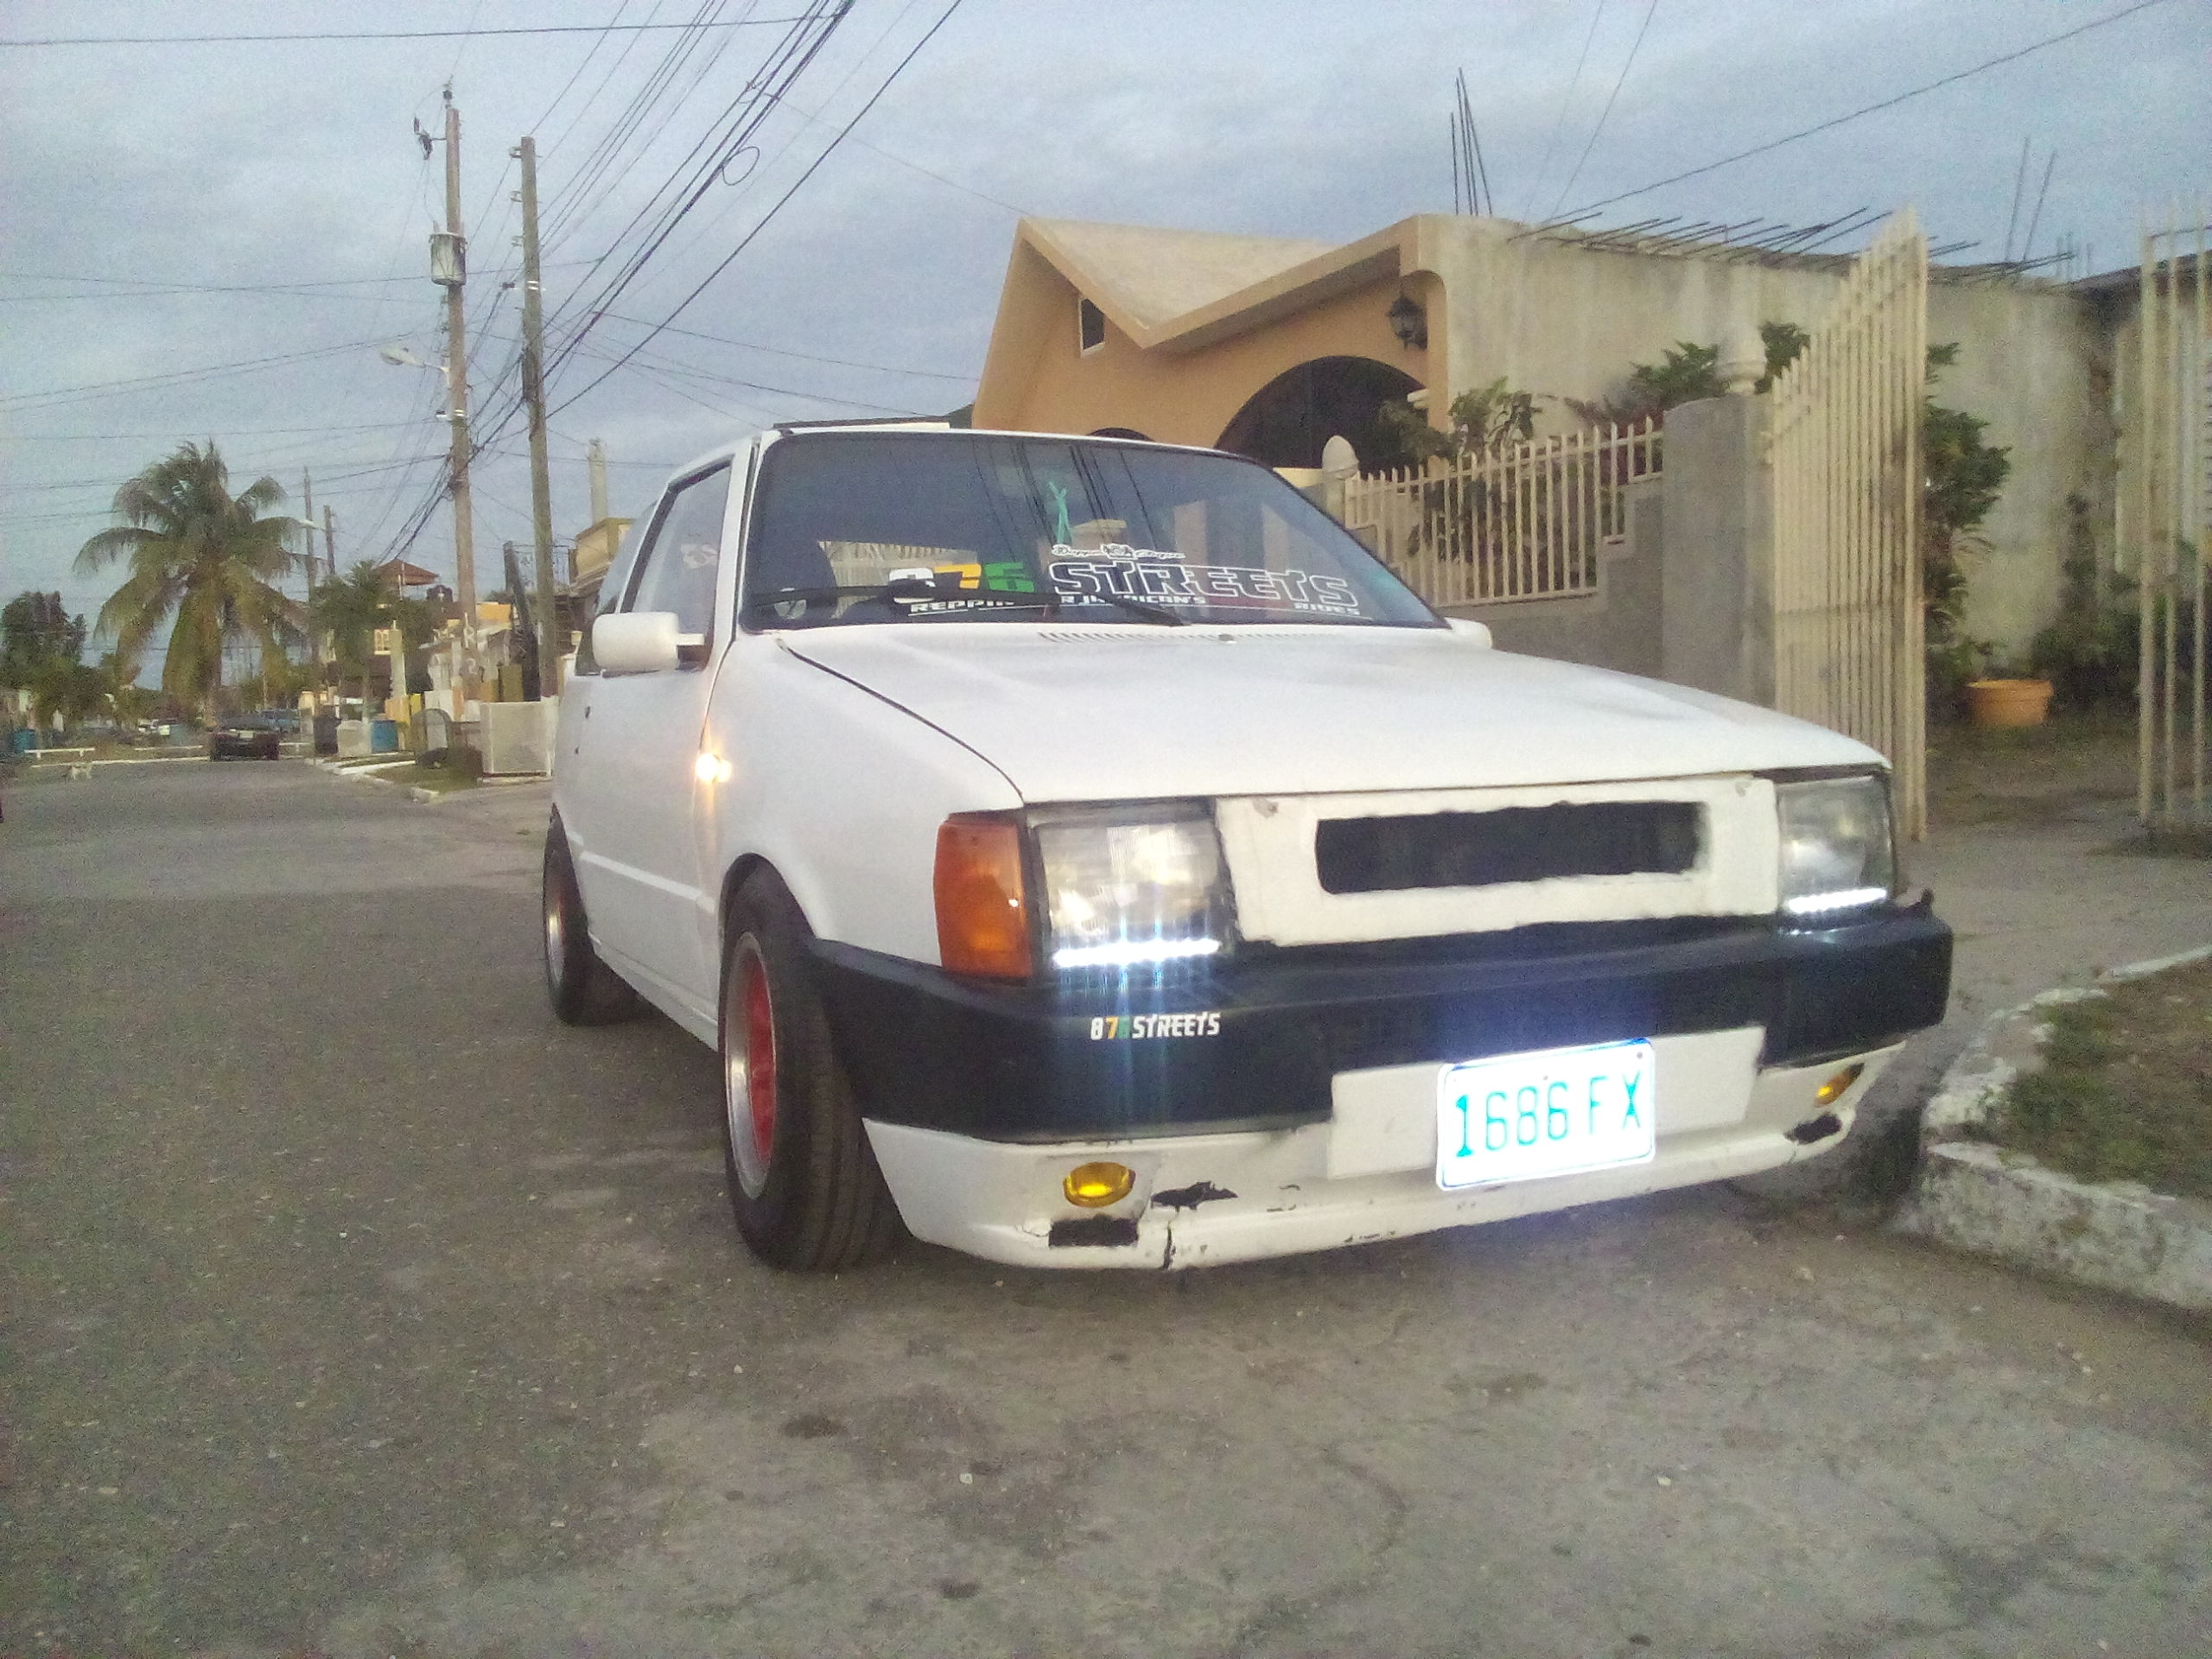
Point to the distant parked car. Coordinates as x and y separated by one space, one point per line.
254 737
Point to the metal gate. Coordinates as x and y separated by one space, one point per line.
1844 442
2165 503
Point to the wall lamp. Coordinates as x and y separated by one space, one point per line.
1408 322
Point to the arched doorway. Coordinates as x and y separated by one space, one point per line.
1286 421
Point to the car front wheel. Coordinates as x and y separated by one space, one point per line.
804 1183
584 990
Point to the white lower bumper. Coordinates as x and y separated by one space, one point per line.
1368 1173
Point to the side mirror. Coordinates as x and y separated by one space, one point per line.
635 642
1471 629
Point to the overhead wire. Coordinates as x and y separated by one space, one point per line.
1566 101
1889 103
373 34
767 219
1619 81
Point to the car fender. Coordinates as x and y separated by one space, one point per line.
838 789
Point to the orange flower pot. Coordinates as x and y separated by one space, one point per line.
2008 703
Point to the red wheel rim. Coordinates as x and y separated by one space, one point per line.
760 1058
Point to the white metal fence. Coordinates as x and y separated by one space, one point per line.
1845 441
1524 522
2164 505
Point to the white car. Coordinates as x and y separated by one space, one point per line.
1086 853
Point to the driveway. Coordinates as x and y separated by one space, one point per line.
354 1307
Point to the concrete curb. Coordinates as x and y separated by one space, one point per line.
1992 1201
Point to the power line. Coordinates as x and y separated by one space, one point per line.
1619 81
1565 99
807 357
235 432
178 377
1870 109
387 34
746 240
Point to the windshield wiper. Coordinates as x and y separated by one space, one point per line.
1136 607
914 587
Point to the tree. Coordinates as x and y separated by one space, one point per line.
352 608
1963 474
1687 373
35 630
202 557
1483 421
349 609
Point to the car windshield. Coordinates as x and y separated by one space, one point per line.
922 527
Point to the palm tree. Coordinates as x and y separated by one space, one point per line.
199 554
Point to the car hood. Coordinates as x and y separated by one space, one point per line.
1090 713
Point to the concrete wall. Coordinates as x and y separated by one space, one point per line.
1562 320
1565 321
1620 626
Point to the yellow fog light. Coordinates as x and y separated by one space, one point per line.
1833 1090
1093 1187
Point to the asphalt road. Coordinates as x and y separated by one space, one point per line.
355 1307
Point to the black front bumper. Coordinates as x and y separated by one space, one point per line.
1090 1059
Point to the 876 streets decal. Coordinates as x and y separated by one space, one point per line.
1110 1028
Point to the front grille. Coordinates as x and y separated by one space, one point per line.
1519 843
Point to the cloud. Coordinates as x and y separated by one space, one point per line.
268 165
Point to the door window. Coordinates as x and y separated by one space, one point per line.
678 565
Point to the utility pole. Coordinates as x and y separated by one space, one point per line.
329 539
533 391
453 274
306 524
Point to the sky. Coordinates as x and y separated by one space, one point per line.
213 239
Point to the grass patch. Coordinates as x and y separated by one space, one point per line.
440 780
2125 1090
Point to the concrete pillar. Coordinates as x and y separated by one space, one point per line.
1716 609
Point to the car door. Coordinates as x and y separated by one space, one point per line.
638 851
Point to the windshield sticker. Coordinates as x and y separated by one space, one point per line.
1003 577
1162 578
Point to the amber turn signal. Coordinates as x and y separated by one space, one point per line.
1093 1187
1834 1089
983 913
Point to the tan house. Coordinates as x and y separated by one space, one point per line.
1269 347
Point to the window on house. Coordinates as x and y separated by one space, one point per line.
1090 325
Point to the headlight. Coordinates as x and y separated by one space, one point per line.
1837 851
1133 888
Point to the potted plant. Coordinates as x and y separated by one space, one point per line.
2006 695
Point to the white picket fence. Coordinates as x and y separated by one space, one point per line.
1524 522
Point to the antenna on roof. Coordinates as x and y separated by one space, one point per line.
1467 158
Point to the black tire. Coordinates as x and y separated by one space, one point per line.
811 1198
584 990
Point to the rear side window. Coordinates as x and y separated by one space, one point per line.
678 564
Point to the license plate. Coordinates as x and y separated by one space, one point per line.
1519 1117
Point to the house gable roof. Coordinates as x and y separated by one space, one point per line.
1181 289
1144 277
